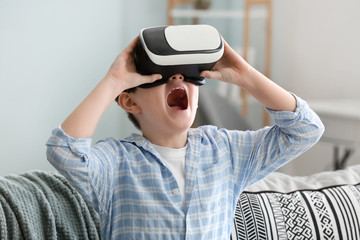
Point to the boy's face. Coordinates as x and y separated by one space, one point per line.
168 107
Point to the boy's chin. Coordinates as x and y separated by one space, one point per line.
181 124
186 126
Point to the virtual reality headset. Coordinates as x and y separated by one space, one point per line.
181 49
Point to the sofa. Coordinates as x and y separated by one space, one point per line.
43 205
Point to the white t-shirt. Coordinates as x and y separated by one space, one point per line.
175 161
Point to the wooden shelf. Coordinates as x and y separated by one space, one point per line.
195 13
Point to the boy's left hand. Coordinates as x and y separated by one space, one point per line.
231 68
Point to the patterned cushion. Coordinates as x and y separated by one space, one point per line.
326 212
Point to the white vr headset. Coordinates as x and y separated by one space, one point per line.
182 49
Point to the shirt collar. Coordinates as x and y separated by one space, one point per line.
194 134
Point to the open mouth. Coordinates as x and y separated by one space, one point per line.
177 99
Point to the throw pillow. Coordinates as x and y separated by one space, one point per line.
321 206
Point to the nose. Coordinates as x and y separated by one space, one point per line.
177 77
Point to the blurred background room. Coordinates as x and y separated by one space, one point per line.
52 53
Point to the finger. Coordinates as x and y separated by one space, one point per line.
130 48
228 48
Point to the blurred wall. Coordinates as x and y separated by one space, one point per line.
316 49
52 53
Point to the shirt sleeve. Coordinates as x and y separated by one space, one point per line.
88 168
255 154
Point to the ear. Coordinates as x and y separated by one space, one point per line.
127 103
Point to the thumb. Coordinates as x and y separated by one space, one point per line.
151 78
211 75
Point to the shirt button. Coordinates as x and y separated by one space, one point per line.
175 191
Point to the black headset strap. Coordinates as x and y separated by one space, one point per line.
197 81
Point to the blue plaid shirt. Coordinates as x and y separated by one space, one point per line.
137 196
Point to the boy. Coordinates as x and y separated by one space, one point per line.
174 182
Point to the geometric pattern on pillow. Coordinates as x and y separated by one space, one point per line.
328 213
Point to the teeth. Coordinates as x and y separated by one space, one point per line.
178 88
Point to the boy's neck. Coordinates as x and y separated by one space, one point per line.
178 140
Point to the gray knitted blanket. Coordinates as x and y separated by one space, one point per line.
40 205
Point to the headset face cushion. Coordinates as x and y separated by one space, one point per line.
181 49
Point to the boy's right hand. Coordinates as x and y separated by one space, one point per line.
122 75
123 70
